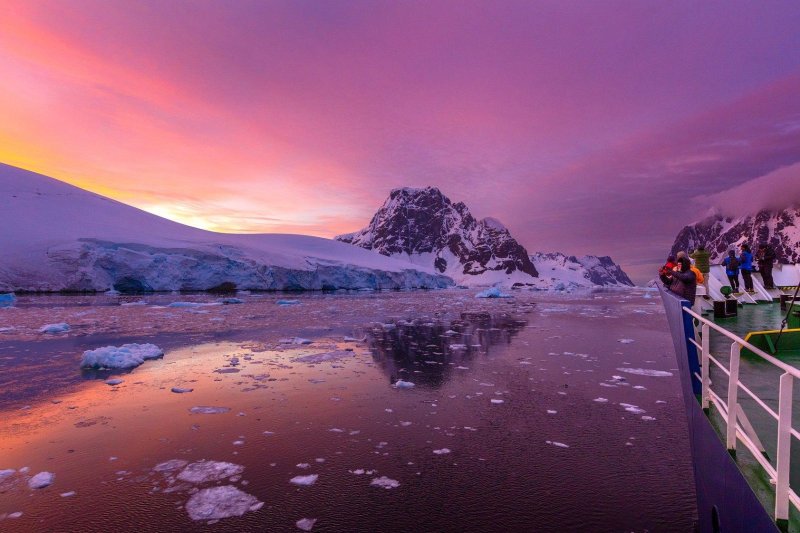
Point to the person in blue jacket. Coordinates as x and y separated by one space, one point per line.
746 266
732 270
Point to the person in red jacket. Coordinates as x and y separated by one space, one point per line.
665 272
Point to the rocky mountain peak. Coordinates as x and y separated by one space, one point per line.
423 225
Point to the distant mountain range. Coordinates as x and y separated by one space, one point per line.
56 237
780 228
422 226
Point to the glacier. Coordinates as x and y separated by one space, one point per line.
58 237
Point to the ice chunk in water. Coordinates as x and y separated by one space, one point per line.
557 444
443 451
492 292
295 340
400 384
115 381
633 408
496 401
207 410
125 356
306 524
7 299
171 465
180 390
41 480
625 341
221 502
5 474
288 302
205 471
68 494
646 372
304 480
322 357
600 400
61 327
385 483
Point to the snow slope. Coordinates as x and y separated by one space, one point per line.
59 237
780 228
567 271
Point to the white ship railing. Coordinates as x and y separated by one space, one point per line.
738 426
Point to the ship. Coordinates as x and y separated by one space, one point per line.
738 355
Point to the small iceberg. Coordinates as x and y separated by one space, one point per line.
283 303
385 483
492 292
208 410
304 480
400 384
61 327
41 480
221 502
206 471
322 357
125 356
306 524
646 372
7 299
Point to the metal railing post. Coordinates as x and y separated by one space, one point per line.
784 447
733 391
705 368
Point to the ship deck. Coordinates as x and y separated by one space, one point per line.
762 378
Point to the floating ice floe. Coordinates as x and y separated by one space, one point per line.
61 327
5 474
41 480
295 340
323 357
68 494
231 301
405 424
209 410
400 384
551 412
443 451
632 408
181 390
557 444
385 483
306 524
288 302
125 356
497 401
625 341
492 292
648 418
221 502
7 299
205 471
171 465
455 347
646 372
304 480
600 400
186 304
112 382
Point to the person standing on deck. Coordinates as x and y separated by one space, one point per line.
702 260
732 270
665 272
684 281
746 266
766 257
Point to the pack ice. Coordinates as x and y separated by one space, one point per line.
125 356
221 502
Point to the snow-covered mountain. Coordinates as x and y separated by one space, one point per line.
568 271
58 237
718 233
424 227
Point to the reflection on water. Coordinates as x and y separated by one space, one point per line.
426 352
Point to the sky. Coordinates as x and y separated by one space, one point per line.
597 127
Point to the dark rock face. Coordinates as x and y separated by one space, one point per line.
601 271
424 221
781 229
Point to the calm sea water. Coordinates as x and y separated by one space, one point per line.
537 413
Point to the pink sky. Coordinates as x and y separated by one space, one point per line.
586 127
